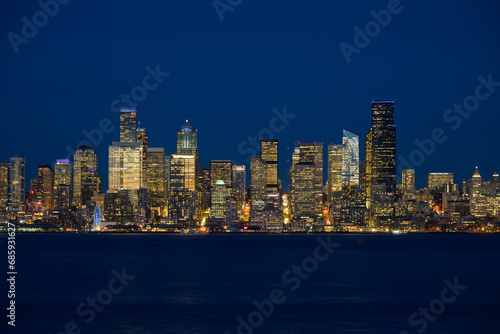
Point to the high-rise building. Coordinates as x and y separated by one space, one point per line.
303 194
313 152
221 170
155 177
350 159
142 138
187 142
85 177
239 186
269 154
17 183
45 186
439 180
334 183
220 193
125 166
182 195
183 172
408 178
477 200
62 197
4 185
128 126
62 172
380 148
258 181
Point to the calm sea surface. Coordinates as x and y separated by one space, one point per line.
203 283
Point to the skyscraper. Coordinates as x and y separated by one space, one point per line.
219 195
45 186
334 183
142 138
313 152
155 177
62 172
239 186
125 166
380 147
258 181
303 195
187 142
85 175
269 154
128 126
408 178
221 170
182 193
350 159
4 185
17 183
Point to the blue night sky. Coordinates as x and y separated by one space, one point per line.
227 76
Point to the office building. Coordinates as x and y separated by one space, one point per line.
258 182
221 170
269 154
350 159
380 148
239 186
125 166
303 194
128 126
45 186
439 180
220 193
334 182
4 185
155 177
187 141
17 183
63 172
85 177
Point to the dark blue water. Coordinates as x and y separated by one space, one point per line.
203 283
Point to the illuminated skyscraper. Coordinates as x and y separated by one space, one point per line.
221 170
408 178
269 153
313 152
125 166
17 183
187 142
85 177
142 138
45 186
239 186
128 126
62 172
258 181
219 195
182 195
380 147
334 183
4 185
439 180
478 203
350 159
303 195
155 177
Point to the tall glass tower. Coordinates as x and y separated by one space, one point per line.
269 153
350 159
85 177
128 126
380 147
334 183
17 182
187 142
